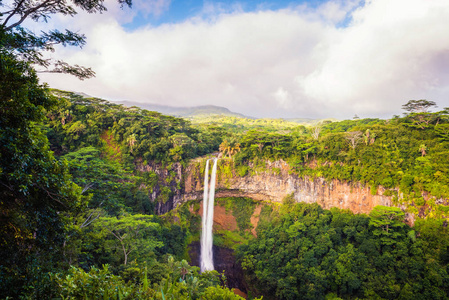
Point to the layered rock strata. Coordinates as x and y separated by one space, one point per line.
272 184
275 186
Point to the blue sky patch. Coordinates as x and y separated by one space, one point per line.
182 10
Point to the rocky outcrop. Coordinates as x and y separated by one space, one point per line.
277 181
168 190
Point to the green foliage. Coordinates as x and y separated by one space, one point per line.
95 284
242 170
386 220
137 134
230 239
164 194
36 189
219 293
180 281
239 125
185 282
312 253
419 106
393 153
266 216
110 185
127 235
124 241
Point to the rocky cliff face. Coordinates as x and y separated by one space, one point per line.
276 182
169 186
177 184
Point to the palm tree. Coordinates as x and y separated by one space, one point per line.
423 149
366 137
234 149
373 138
229 148
224 147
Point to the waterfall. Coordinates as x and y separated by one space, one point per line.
203 231
207 263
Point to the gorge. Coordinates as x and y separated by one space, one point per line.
296 215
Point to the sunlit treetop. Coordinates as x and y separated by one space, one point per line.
418 106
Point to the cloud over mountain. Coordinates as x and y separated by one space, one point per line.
335 60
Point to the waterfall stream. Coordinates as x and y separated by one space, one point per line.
207 263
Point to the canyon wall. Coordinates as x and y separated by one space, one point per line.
274 183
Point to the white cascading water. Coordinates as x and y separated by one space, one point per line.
203 231
207 263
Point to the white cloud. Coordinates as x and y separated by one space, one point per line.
384 58
291 62
283 97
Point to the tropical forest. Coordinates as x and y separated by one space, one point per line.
100 200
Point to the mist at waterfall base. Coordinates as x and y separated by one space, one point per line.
207 263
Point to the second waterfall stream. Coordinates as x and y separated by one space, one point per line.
207 263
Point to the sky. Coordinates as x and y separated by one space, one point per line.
277 59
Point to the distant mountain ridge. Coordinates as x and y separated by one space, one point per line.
185 111
202 111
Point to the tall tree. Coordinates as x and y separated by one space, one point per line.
354 138
315 131
387 222
419 113
418 106
131 233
